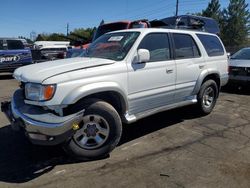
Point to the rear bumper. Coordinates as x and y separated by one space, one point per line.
224 79
41 126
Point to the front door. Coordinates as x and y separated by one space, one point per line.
152 84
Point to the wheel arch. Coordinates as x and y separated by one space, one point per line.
107 92
204 76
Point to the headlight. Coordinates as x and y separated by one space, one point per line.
38 92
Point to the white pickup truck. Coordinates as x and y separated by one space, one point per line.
126 75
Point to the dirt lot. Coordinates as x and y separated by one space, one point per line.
171 149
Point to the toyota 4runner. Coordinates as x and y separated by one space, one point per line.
125 75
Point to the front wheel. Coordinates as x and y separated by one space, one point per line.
207 97
99 133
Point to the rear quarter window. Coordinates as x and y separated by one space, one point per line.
211 44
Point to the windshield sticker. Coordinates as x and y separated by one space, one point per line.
115 38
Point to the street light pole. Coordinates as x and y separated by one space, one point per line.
177 7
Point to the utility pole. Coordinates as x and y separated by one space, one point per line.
67 29
177 7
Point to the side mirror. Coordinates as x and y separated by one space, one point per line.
228 55
143 55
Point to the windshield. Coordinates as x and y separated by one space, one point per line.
109 27
114 46
242 54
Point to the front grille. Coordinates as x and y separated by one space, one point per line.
239 71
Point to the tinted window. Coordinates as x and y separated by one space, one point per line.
1 45
158 46
212 45
185 46
242 54
15 44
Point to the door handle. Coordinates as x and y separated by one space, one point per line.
169 71
201 66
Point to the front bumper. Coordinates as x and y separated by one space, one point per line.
41 126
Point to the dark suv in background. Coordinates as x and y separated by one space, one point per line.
188 22
14 53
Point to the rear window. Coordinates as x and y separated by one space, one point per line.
15 44
212 45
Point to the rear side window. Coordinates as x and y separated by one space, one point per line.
1 45
158 46
15 44
212 45
185 47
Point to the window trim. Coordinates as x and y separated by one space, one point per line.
171 56
174 52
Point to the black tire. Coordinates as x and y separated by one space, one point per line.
105 117
209 89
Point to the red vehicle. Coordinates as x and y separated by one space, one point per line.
105 28
114 26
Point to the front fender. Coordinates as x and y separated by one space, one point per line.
93 88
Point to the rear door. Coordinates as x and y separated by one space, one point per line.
189 64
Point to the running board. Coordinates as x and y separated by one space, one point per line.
133 118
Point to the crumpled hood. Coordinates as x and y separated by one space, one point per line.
37 73
239 63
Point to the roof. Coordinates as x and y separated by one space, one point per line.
148 30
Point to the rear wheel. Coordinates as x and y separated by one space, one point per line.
100 131
207 97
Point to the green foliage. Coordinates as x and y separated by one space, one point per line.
236 28
212 10
233 21
76 37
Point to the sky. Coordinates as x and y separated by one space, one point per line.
21 17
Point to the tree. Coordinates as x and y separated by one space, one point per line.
236 29
213 10
40 37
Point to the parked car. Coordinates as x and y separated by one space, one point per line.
239 68
188 22
13 54
125 76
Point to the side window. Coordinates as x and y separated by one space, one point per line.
158 46
185 47
212 45
1 45
15 44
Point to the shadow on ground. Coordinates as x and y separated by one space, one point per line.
21 161
236 89
6 77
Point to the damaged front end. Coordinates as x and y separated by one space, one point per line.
41 126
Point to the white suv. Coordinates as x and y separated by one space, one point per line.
126 75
